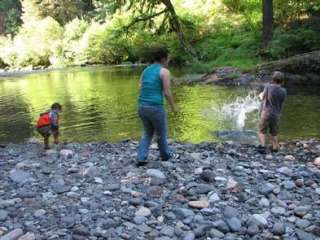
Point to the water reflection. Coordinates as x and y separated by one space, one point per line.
99 104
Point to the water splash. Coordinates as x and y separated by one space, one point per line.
238 110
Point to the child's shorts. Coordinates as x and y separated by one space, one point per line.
270 125
47 131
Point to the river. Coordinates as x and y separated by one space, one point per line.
100 104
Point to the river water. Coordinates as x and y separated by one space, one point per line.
100 104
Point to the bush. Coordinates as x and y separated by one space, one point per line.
35 44
99 45
73 32
285 44
232 48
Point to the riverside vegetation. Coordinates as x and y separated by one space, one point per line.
221 33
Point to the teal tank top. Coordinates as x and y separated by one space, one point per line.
151 92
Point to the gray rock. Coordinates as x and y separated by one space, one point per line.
13 235
234 224
214 197
139 220
265 189
222 226
182 213
285 171
3 215
167 231
7 203
229 212
91 171
302 223
289 185
66 154
207 175
201 230
113 187
144 228
189 236
59 186
39 213
136 201
264 202
203 188
253 229
278 210
20 176
28 236
260 220
98 180
143 212
163 238
301 211
302 235
155 173
279 229
214 233
81 230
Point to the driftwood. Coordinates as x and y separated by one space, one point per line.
301 69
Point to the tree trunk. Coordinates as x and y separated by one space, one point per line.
178 29
2 27
267 21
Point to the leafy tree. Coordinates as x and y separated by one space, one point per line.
10 11
62 11
287 11
147 10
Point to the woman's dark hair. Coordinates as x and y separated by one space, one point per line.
56 106
159 53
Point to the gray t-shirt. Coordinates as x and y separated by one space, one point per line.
273 98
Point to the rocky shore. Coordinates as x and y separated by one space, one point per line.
214 191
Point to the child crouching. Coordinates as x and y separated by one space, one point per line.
48 124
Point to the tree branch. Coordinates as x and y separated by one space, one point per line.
144 19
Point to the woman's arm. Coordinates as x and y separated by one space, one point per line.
165 76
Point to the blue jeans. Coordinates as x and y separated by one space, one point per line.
154 120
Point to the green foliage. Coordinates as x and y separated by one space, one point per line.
293 10
225 32
62 11
292 42
36 44
12 11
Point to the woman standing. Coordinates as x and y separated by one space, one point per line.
154 84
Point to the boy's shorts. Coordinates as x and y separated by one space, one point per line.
47 131
270 125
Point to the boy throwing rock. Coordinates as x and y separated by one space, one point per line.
273 97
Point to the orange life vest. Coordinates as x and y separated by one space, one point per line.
44 120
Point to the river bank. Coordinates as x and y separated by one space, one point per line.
214 191
34 70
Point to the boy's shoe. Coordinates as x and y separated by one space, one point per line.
261 149
274 150
141 163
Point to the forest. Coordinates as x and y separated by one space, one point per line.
200 34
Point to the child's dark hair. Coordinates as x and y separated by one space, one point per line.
159 53
56 106
278 77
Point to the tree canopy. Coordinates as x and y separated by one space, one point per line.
225 32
